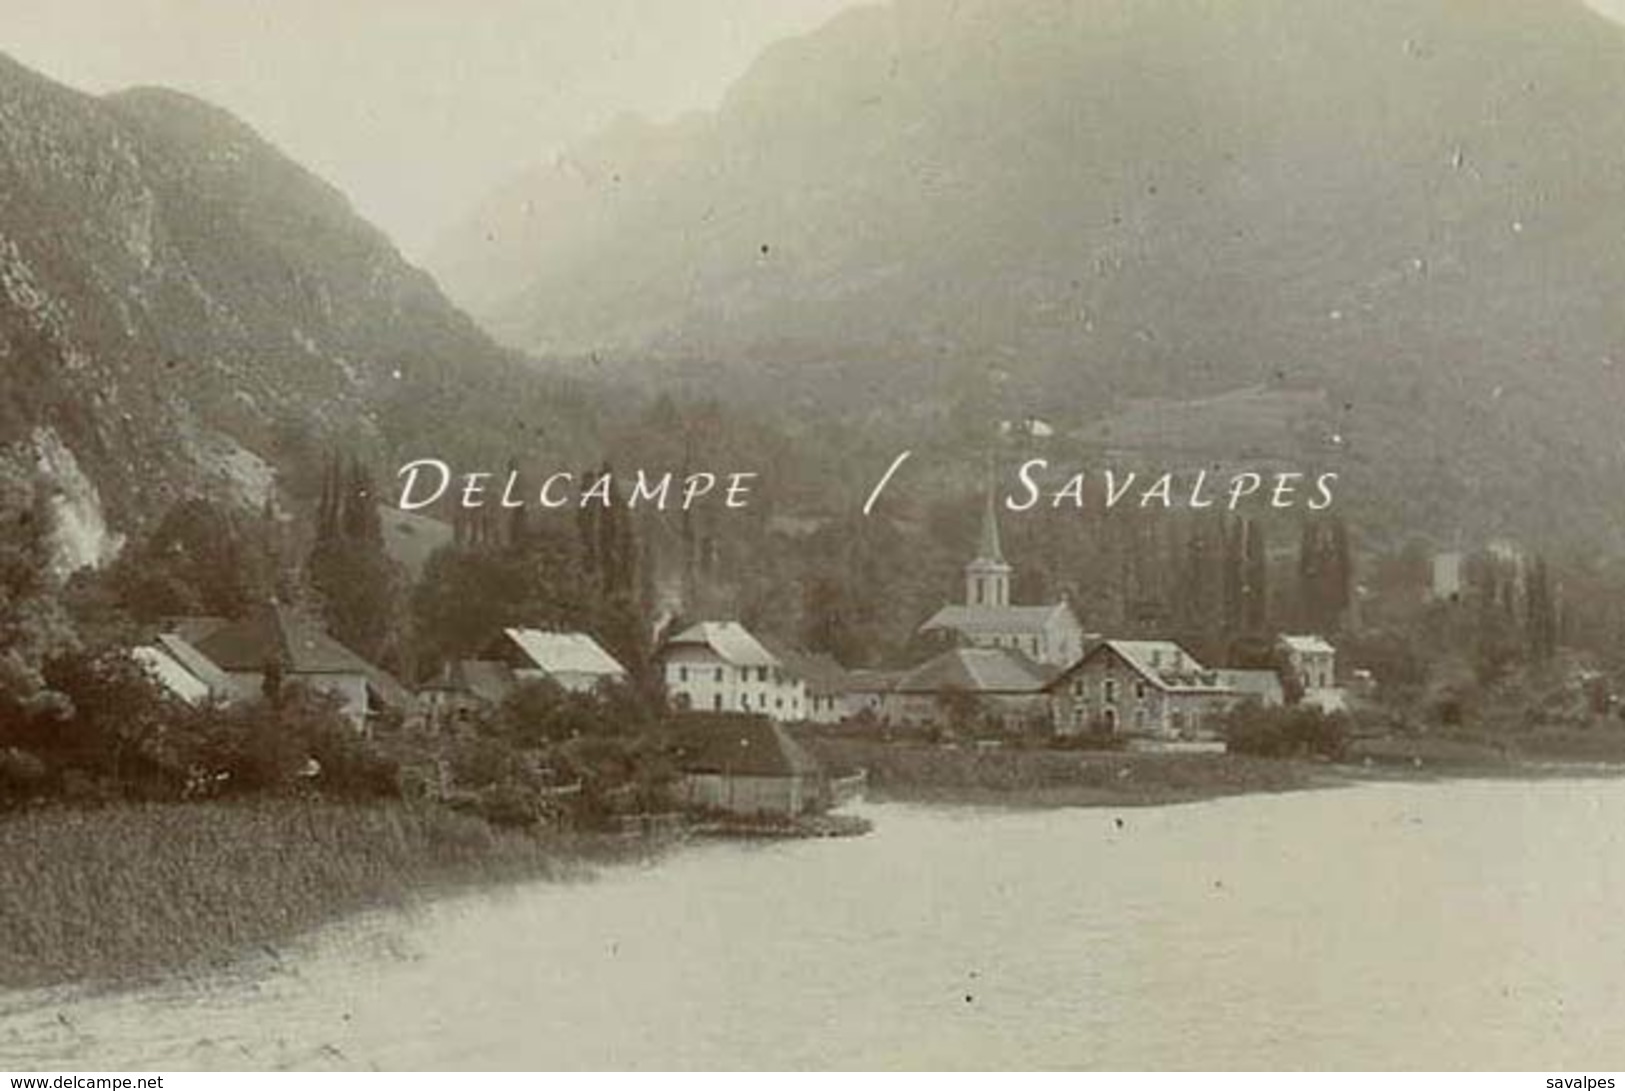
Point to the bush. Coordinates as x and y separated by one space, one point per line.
1298 731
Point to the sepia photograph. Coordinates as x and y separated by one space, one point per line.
903 536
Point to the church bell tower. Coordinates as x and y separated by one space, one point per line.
987 578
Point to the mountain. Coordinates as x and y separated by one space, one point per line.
184 309
1406 208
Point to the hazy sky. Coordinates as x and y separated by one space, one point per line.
415 108
1614 9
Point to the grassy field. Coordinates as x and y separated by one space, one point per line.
1014 776
126 891
1518 753
1035 777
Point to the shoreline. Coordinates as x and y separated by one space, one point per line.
123 895
127 895
1035 779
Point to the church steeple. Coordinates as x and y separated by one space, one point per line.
990 549
987 578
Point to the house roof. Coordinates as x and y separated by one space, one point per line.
978 620
1163 663
741 745
388 689
193 628
171 674
976 670
485 679
276 632
1262 684
565 653
731 641
1308 644
822 674
872 681
199 665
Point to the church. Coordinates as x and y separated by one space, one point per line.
1049 634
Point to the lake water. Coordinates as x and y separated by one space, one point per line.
1466 924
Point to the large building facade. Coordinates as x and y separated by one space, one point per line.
718 666
1149 688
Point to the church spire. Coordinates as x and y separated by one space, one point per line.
987 578
990 550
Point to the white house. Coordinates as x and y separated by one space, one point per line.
718 666
1313 662
574 660
827 683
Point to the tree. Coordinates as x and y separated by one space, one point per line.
1255 579
1235 575
1540 607
348 566
34 626
201 558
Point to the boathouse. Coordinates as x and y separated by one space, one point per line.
745 765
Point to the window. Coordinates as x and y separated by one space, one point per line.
761 674
716 702
1111 690
719 674
1139 691
682 674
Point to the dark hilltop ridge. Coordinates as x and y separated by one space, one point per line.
1403 213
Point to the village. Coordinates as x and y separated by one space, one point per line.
740 703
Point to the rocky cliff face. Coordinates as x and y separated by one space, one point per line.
182 307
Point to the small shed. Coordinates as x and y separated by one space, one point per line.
745 765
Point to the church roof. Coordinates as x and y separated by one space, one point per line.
979 620
974 670
1307 645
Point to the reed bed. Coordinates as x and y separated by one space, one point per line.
133 890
